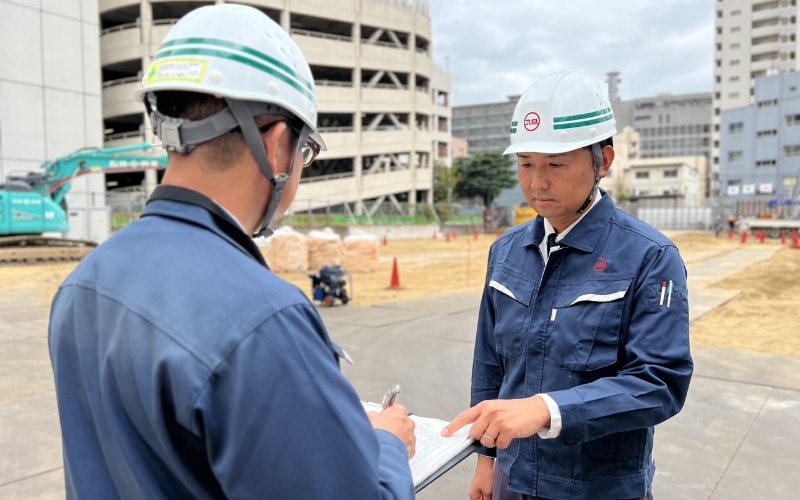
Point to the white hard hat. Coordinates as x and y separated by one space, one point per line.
238 52
561 112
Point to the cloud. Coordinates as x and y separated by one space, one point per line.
497 48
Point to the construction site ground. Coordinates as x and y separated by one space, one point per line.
736 438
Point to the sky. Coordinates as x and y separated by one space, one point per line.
497 48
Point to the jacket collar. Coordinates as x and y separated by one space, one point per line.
585 234
197 216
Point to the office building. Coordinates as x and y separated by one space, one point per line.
484 126
384 107
760 150
753 38
50 96
681 181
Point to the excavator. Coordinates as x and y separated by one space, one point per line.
33 204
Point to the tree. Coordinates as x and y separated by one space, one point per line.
484 174
445 180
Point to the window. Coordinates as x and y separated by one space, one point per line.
792 120
766 133
736 29
736 45
770 102
733 95
642 118
736 128
766 163
733 79
642 175
671 173
791 151
735 156
736 12
734 62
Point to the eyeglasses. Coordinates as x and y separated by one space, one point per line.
310 149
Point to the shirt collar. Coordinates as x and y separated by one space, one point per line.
584 236
233 218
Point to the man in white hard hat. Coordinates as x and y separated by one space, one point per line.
184 368
583 334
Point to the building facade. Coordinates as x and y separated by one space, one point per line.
626 149
681 180
484 126
753 38
384 107
50 101
669 125
760 150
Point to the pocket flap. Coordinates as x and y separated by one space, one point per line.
594 291
515 287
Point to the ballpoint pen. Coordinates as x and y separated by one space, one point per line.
669 294
390 397
663 288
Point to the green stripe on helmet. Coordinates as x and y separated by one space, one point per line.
584 123
240 48
240 59
572 118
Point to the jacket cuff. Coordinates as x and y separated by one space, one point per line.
573 417
554 430
487 452
387 438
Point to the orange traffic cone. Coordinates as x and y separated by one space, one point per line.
475 236
730 234
795 240
395 284
385 239
744 237
761 236
435 234
455 235
783 237
447 237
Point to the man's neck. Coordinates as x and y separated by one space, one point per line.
232 189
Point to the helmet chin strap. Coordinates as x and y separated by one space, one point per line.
597 158
252 136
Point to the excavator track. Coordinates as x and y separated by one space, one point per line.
37 250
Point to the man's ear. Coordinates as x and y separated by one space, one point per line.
608 159
275 144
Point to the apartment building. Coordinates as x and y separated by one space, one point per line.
760 151
384 107
681 179
484 126
753 38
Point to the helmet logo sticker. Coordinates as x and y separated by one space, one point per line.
191 70
532 121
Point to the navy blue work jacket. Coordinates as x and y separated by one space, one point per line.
587 329
185 369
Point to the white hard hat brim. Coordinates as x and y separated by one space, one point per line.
553 147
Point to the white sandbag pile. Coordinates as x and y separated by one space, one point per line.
289 250
361 253
324 248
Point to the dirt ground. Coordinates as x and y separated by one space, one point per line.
765 317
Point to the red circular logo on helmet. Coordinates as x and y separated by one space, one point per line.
532 121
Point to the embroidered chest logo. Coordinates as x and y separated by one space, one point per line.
601 265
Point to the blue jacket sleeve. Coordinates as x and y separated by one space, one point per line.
280 421
652 384
487 369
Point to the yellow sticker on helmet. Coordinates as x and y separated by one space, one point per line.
186 70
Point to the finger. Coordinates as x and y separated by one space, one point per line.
460 421
396 409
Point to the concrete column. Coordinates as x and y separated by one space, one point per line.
286 23
145 27
358 161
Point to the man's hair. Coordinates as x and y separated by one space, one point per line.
221 151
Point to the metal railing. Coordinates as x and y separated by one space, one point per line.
382 43
320 178
385 128
123 135
389 86
319 34
332 83
336 130
120 27
165 22
121 81
423 90
422 51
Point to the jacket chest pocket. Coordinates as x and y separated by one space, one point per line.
512 297
584 329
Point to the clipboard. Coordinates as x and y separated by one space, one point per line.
469 450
